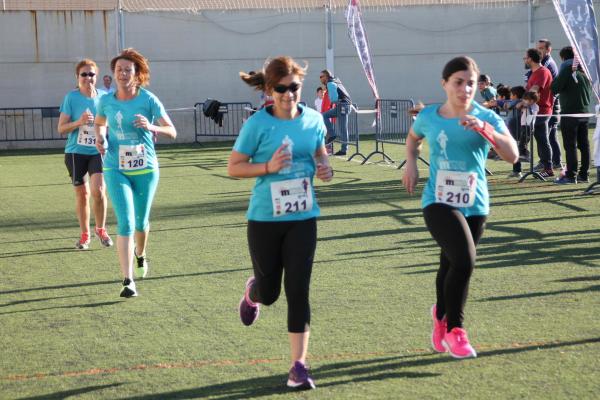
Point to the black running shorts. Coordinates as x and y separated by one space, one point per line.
80 165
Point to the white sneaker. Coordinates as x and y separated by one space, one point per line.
128 289
141 268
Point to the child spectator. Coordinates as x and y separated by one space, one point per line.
486 90
319 99
529 109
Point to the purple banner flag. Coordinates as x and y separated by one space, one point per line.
359 38
579 22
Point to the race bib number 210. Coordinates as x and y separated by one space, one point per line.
456 189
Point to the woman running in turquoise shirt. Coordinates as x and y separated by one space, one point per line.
134 116
81 156
455 199
283 147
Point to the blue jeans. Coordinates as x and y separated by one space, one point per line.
342 124
541 135
556 153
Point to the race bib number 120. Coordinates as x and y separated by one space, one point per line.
456 189
133 157
291 196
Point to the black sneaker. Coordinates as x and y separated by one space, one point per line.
340 153
128 289
547 173
583 178
565 180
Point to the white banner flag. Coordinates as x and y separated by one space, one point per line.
357 34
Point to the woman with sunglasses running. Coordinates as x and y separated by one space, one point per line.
134 116
455 199
82 159
282 146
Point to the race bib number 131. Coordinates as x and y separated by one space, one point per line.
86 136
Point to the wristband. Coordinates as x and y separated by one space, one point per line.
267 168
487 131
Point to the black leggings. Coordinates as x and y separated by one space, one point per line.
279 246
457 235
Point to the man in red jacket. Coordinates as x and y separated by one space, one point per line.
540 81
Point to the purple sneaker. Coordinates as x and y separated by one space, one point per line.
299 378
248 310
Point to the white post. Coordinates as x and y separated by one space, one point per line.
120 27
329 39
530 23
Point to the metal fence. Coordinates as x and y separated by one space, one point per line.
392 125
29 124
233 116
353 136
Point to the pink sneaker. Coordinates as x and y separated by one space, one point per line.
457 343
249 311
439 330
84 242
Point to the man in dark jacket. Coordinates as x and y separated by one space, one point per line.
339 96
575 93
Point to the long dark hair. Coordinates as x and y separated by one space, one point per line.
462 63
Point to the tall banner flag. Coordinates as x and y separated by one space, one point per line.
357 34
579 22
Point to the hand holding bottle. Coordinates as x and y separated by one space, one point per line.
280 159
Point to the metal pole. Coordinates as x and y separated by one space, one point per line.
329 39
530 23
121 28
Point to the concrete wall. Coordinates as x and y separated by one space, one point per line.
198 56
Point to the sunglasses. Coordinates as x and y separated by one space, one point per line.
292 87
86 74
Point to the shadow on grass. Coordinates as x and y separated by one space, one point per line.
112 282
580 279
16 302
32 186
39 252
90 305
69 393
335 374
594 288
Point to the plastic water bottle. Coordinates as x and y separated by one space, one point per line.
90 124
287 150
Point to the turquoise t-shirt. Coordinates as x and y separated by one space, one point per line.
130 149
454 148
261 135
74 104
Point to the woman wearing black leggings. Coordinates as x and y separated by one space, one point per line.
455 198
283 147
